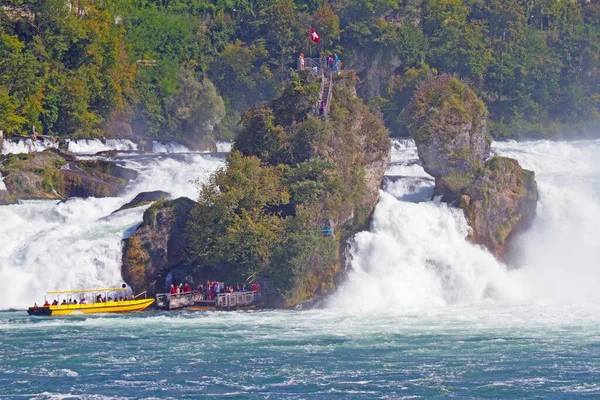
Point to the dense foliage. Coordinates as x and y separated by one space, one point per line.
444 105
265 214
188 68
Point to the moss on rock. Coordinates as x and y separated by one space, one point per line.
448 124
54 174
500 202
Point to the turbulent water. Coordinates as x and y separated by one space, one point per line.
423 313
77 243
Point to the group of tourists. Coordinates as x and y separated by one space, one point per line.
332 62
211 290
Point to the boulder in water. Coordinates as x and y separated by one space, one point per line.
144 198
448 123
500 202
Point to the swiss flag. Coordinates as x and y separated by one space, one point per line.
313 36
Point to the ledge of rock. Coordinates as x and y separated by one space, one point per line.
55 174
157 246
144 198
448 123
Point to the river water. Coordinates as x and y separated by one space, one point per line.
423 313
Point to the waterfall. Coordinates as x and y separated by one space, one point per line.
77 244
19 146
224 147
93 146
416 252
169 147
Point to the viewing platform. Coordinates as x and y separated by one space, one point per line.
222 301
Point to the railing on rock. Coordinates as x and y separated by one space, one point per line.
238 299
168 301
319 67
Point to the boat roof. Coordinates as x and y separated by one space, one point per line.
86 290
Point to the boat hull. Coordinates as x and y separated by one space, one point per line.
126 306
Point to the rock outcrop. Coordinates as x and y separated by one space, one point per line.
448 123
157 246
54 174
500 202
144 198
282 210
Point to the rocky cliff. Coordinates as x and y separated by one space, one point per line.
448 123
294 189
55 174
157 246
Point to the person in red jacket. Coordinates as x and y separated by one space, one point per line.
186 288
173 290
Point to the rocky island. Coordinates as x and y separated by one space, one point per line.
291 178
448 123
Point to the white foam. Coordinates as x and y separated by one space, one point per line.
558 256
19 146
2 184
170 147
224 147
46 246
92 146
417 254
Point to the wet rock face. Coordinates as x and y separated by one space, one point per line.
500 202
448 123
157 246
54 174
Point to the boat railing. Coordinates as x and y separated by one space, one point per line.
138 295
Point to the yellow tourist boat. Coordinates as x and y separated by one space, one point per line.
105 300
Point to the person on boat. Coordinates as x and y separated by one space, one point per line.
64 303
255 287
82 301
128 292
186 288
46 304
74 301
55 302
173 290
99 298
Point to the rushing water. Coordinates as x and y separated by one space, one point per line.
423 313
77 244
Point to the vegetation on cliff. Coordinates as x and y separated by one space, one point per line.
185 68
448 124
264 215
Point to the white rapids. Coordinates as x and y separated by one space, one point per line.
77 244
416 253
